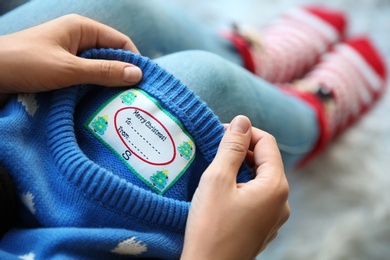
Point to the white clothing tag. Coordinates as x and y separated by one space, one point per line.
146 137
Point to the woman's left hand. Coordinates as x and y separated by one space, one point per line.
44 57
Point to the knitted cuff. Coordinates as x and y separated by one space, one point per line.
325 134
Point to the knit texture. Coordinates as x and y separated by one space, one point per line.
286 48
354 74
78 199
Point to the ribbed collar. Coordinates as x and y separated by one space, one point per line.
101 185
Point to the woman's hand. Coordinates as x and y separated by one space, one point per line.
237 221
44 57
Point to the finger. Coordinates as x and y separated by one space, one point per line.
106 73
271 238
283 217
257 135
92 34
234 146
266 153
281 220
106 37
269 169
250 161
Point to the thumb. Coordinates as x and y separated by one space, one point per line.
108 73
234 146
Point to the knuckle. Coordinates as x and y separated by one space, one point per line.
284 191
280 190
234 146
106 71
72 18
284 215
212 175
72 22
270 137
287 213
215 174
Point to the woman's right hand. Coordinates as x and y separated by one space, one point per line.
230 220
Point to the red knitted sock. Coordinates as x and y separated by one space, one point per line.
290 45
354 76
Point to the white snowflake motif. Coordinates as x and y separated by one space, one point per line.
29 256
28 201
130 247
29 102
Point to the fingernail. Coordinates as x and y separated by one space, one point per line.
132 74
240 124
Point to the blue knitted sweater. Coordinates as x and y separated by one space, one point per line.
106 172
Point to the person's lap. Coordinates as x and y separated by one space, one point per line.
230 90
158 29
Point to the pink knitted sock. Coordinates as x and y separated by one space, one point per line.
289 46
342 87
355 75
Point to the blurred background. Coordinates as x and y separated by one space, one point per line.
340 203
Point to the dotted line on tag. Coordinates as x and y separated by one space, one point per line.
157 151
144 155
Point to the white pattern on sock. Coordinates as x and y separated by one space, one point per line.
292 45
306 17
352 80
369 74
